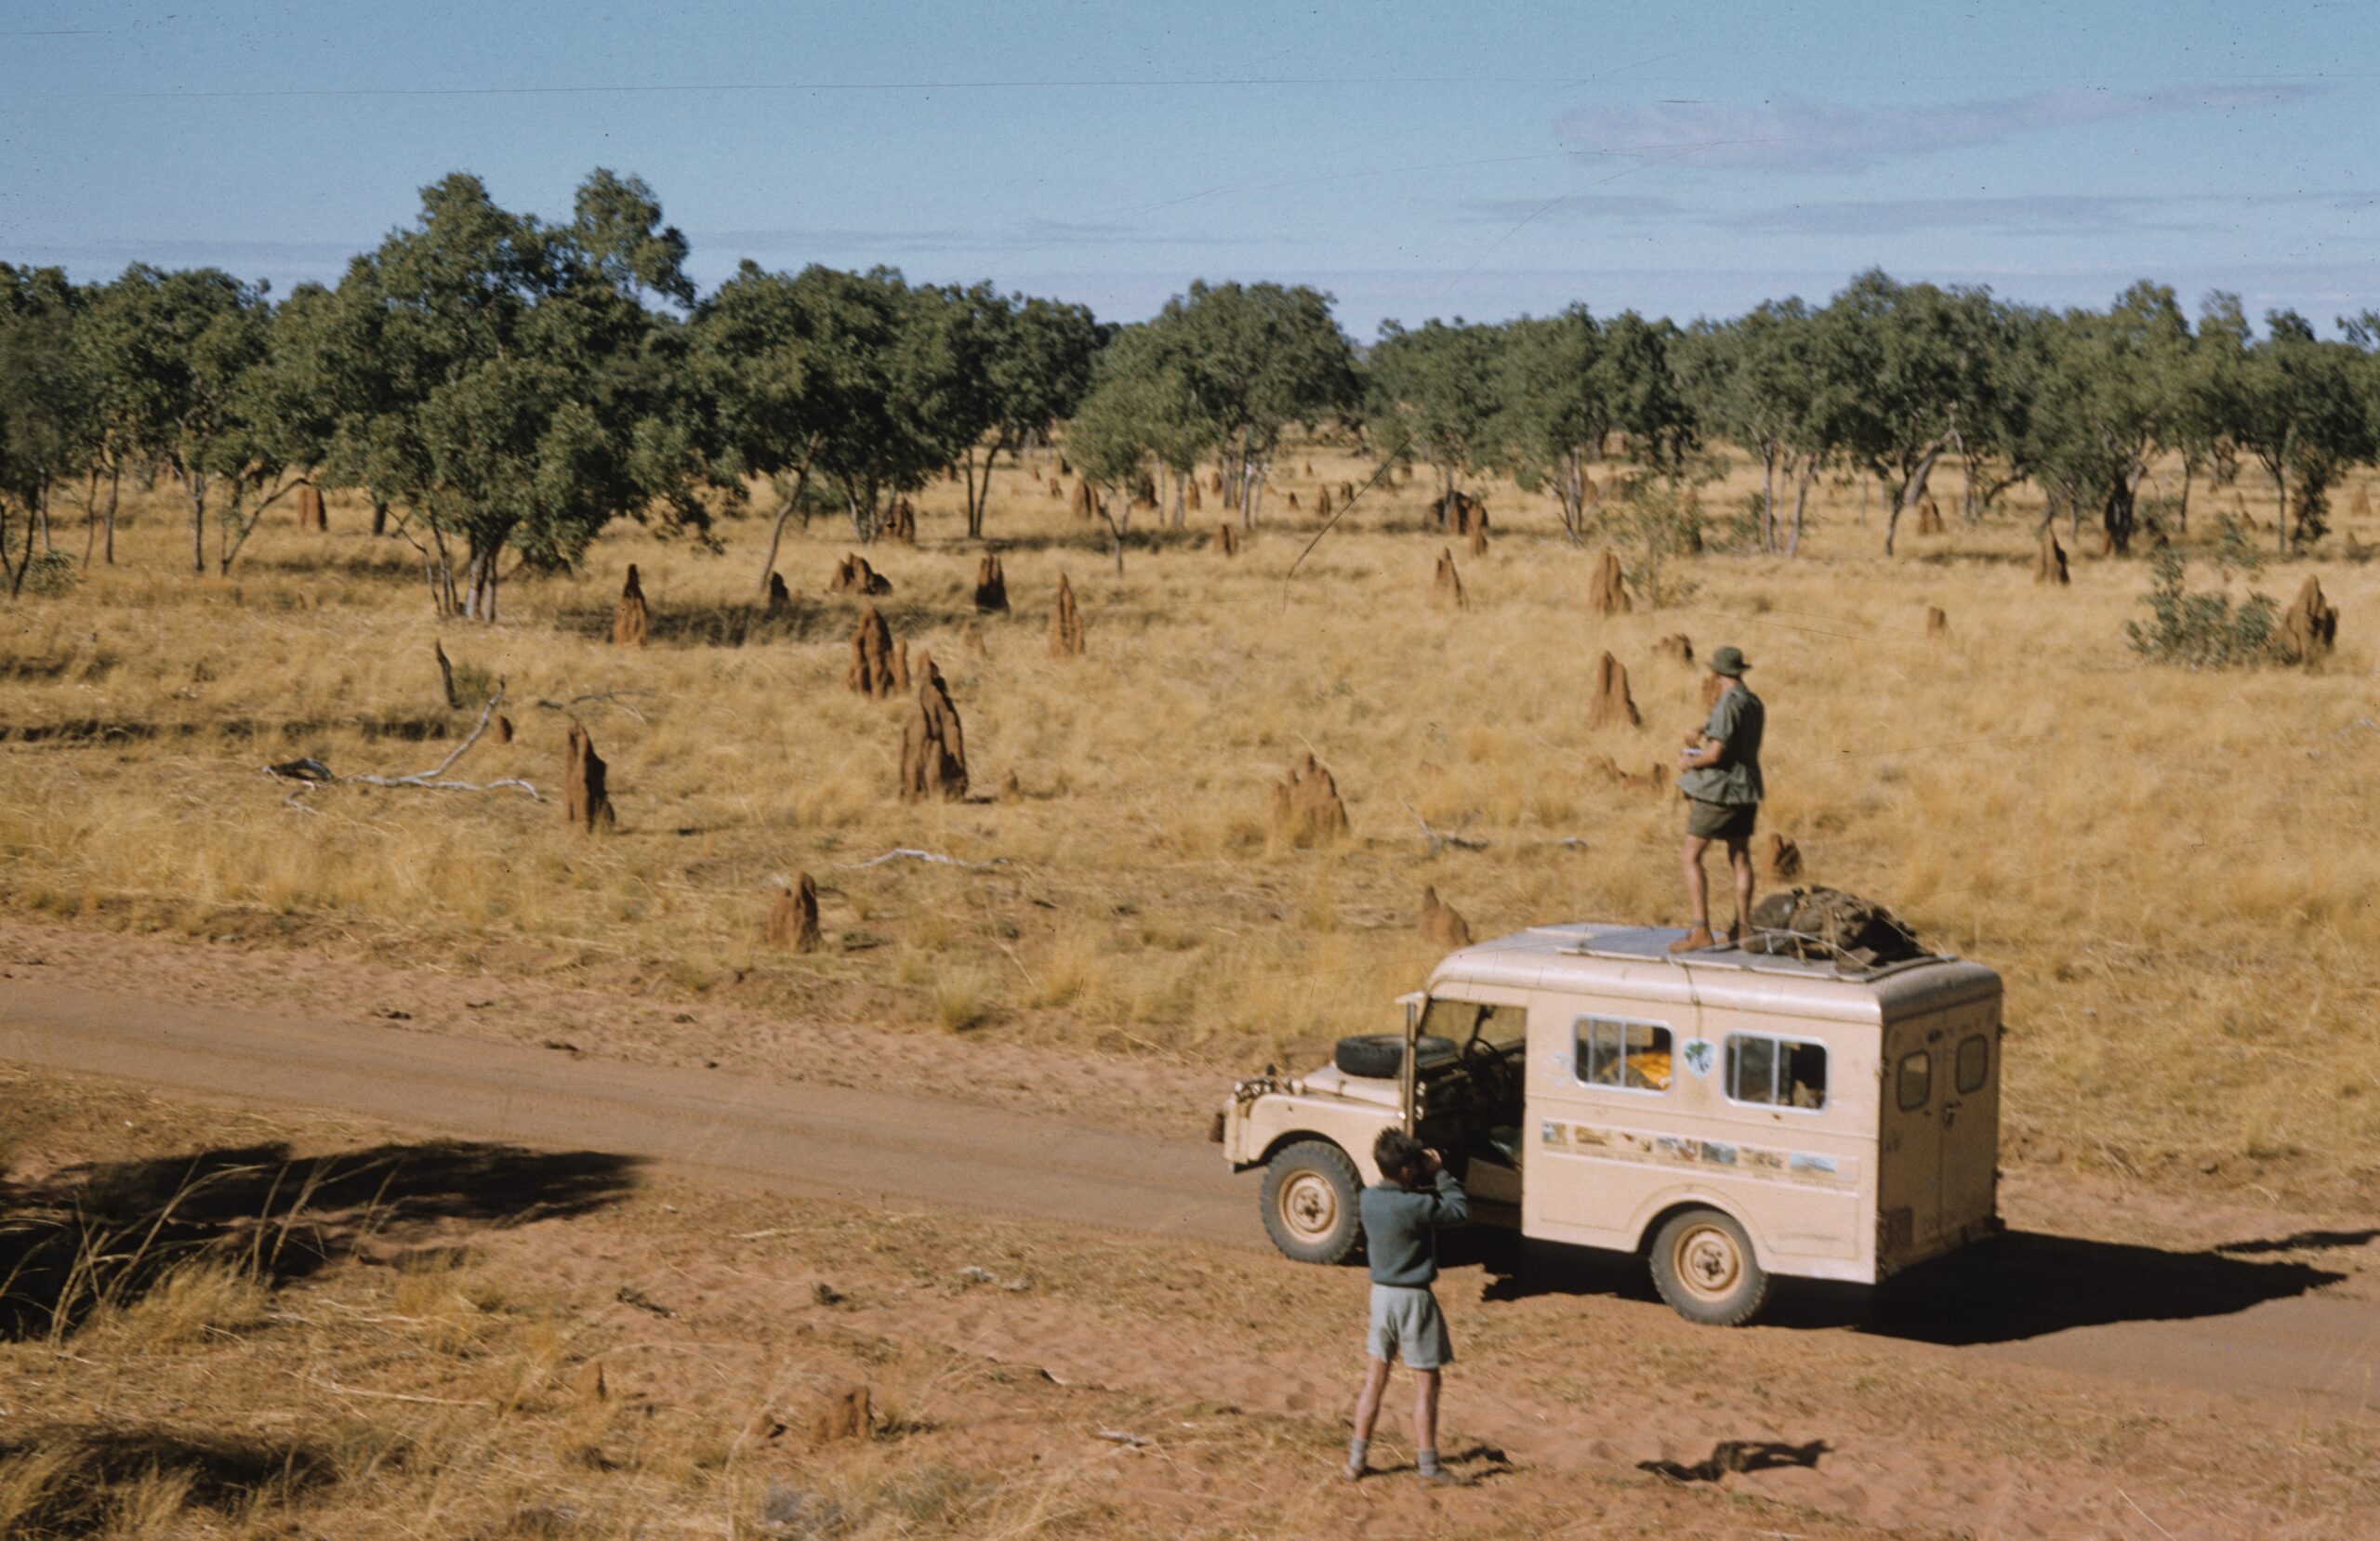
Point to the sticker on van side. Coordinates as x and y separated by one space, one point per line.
1685 1150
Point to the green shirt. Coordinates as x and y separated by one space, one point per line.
1737 719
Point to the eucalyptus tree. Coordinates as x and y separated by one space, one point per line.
517 393
1552 420
174 349
47 421
1029 362
2111 400
1255 358
1139 411
1901 372
2299 409
1755 381
1434 392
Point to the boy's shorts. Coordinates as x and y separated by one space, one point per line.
1406 1324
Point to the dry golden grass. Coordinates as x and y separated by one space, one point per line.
2177 872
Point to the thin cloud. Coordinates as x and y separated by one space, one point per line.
1794 133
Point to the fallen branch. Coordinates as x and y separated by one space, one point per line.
601 698
310 774
1457 839
903 853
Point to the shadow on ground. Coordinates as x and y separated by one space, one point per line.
1730 1457
107 1233
87 1463
2024 1285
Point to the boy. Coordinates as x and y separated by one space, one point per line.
1401 1222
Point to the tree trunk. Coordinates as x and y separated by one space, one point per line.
379 516
2280 513
1801 501
2116 515
974 504
90 517
1768 498
194 487
777 531
115 485
2182 515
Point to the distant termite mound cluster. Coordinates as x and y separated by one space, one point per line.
793 916
1781 857
1606 769
2310 627
1065 624
1676 647
631 624
587 799
901 521
1441 922
1459 513
1612 706
1929 516
1226 540
1607 591
1306 808
852 575
991 587
871 672
934 747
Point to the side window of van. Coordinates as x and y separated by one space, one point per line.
1975 1064
1916 1081
1631 1056
1775 1072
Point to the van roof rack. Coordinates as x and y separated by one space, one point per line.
1652 944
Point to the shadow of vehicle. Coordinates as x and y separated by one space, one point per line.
2022 1285
106 1233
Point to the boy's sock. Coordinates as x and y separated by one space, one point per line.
1427 1464
1358 1449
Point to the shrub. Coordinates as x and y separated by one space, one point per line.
49 574
2201 630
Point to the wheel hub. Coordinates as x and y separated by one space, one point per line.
1708 1263
1308 1205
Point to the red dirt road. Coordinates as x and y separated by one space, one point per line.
2212 1324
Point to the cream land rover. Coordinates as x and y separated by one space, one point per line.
1732 1116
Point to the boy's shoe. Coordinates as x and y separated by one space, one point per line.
1354 1472
1440 1477
1695 941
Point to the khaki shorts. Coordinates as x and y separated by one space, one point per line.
1720 821
1407 1325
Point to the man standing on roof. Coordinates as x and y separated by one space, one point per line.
1720 775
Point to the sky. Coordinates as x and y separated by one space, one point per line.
1482 160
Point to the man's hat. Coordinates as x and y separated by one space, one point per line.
1729 661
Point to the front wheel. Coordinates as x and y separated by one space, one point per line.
1309 1199
1704 1268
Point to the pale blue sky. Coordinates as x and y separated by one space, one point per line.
1416 161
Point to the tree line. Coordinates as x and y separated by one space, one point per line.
501 388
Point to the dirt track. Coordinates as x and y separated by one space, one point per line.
2218 1321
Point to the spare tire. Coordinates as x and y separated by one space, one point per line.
1380 1056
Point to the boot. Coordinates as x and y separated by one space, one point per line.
1696 940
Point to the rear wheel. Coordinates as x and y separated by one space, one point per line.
1309 1199
1704 1268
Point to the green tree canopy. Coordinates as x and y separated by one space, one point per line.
518 395
1434 393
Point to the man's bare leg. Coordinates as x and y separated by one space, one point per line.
1367 1415
1740 861
1697 894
